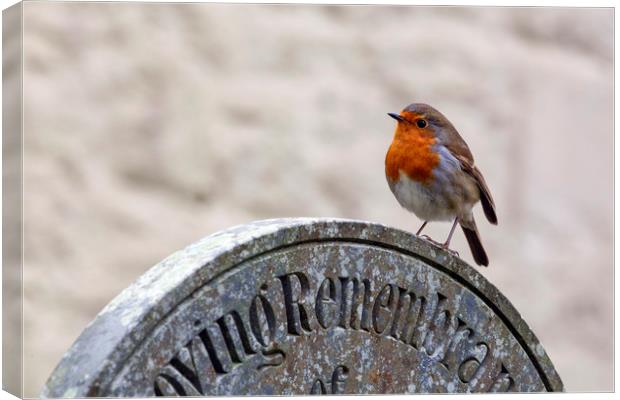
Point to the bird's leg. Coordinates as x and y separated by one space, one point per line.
447 244
426 237
422 227
450 234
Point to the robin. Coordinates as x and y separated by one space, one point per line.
431 172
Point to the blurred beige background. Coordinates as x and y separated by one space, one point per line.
149 126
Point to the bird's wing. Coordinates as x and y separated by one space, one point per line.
459 149
488 205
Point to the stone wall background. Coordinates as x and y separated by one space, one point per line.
149 126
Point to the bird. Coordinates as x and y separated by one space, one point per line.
430 170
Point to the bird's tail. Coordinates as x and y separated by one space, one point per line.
473 239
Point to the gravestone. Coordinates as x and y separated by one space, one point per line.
301 306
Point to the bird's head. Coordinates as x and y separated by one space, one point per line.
420 120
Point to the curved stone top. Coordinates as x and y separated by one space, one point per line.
164 327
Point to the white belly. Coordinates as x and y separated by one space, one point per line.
422 201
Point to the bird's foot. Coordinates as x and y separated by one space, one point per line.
443 246
449 250
428 239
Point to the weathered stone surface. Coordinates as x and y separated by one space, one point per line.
298 306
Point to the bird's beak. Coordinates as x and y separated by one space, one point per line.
396 117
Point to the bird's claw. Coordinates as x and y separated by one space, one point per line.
449 250
428 239
443 246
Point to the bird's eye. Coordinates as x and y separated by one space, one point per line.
421 123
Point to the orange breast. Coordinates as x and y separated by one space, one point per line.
413 155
